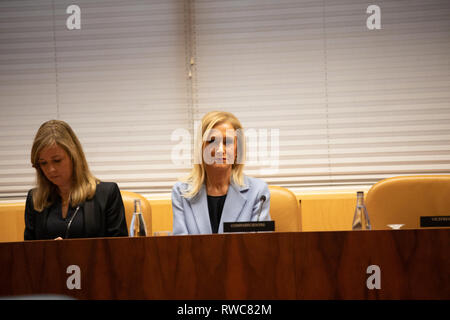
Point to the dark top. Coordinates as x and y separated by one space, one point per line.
102 216
215 208
57 226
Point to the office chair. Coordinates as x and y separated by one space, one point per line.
284 209
404 199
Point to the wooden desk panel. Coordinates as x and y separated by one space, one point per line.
303 265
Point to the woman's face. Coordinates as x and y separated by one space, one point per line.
56 165
220 147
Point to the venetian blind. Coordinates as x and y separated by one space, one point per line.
327 103
352 105
120 81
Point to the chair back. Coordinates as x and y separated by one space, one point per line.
403 200
128 198
284 209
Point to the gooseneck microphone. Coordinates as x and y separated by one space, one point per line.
70 222
261 200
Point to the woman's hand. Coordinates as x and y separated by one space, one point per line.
59 238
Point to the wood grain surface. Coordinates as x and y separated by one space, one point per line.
300 265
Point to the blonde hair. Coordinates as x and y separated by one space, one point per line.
197 176
57 132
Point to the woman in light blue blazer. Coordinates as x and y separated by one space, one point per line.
217 190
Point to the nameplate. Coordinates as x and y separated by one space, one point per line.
249 226
435 221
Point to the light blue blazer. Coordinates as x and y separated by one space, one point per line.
191 215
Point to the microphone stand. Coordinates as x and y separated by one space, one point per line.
262 200
70 222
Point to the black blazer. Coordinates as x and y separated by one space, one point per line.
104 215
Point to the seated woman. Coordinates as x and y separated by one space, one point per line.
217 190
68 201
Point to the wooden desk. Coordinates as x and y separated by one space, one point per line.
414 264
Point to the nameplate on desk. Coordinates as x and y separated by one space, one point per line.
249 226
435 221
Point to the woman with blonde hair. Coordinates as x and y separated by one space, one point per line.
68 201
217 190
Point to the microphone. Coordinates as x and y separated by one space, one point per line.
70 222
262 200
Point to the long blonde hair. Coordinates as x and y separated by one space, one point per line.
57 132
196 177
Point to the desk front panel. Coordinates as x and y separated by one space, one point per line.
412 264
